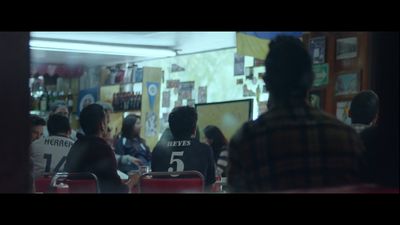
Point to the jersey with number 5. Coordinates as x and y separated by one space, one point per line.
49 154
184 155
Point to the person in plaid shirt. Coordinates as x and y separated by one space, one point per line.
292 146
364 110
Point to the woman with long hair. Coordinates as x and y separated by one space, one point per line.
216 139
131 144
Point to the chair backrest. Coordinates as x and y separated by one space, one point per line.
42 184
171 182
77 182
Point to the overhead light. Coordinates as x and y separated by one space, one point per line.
60 46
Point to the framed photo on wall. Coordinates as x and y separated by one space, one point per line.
239 65
346 48
347 84
317 49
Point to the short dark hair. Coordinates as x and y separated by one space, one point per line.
182 121
364 107
57 124
91 118
37 121
288 68
127 126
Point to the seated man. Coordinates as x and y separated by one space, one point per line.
293 145
91 153
49 153
60 108
37 127
183 152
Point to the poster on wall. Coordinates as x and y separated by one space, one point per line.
202 98
165 117
173 83
239 65
317 49
151 124
321 72
186 89
239 81
347 84
166 99
346 48
176 68
138 75
151 117
87 97
342 111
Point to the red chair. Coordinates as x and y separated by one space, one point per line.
171 182
42 184
76 183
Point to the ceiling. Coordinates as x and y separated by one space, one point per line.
182 42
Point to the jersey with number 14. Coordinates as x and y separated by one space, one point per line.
184 155
49 154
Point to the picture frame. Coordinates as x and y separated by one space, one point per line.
321 72
347 83
317 49
346 48
239 65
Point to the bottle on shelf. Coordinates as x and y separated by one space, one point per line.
70 101
43 101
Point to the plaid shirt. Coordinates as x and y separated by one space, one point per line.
293 147
359 127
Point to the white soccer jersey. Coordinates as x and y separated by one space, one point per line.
49 154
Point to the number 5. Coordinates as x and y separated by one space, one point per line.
179 163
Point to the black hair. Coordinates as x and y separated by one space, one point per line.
166 135
364 107
288 68
127 126
91 118
58 124
182 121
37 121
218 139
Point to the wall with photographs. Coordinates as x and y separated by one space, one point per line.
209 77
342 68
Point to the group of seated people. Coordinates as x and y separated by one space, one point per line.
291 146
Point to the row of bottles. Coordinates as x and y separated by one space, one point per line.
45 100
127 101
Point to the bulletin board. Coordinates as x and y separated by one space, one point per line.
228 116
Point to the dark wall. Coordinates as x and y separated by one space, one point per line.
14 95
385 68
